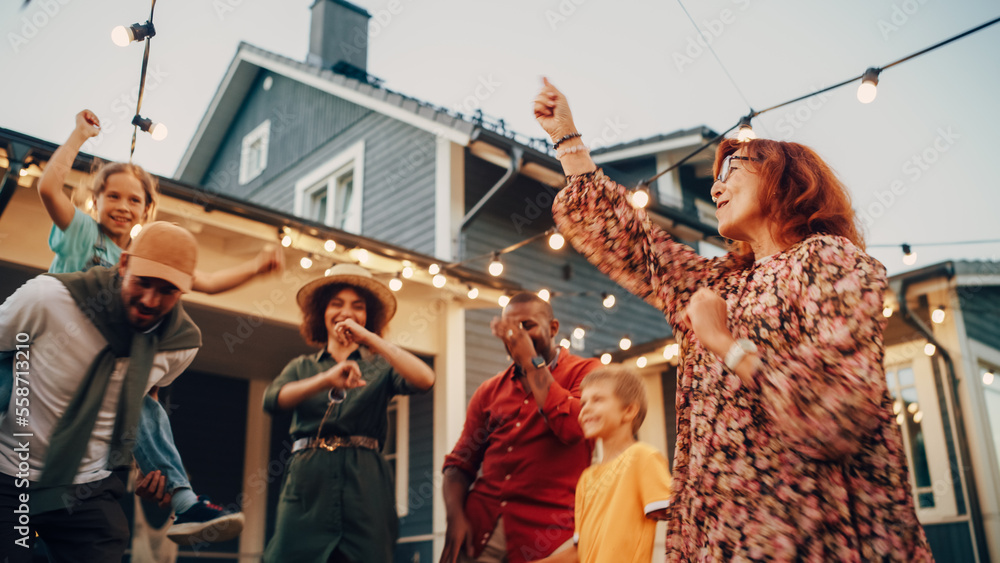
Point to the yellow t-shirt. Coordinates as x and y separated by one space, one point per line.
612 500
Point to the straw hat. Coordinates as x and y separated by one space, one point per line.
354 276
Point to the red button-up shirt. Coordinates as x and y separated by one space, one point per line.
530 458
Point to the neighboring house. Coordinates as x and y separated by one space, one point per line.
942 366
324 142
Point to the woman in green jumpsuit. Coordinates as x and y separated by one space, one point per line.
337 500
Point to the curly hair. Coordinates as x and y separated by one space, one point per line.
799 192
313 327
147 180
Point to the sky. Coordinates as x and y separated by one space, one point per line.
918 160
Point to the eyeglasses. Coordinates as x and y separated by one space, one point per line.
727 166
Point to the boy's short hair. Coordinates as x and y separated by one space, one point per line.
628 387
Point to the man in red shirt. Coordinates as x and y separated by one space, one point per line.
521 430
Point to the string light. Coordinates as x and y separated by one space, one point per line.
938 315
122 36
396 283
745 132
579 332
286 241
496 266
887 311
556 241
473 292
605 358
439 281
640 198
157 130
329 245
918 416
544 294
608 300
360 255
135 230
912 408
503 300
988 378
306 262
407 271
565 343
434 269
625 343
929 349
909 257
640 361
868 89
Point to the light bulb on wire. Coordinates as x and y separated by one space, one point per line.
496 266
556 241
544 294
640 198
608 300
122 35
396 283
909 257
625 343
433 269
503 300
938 315
473 292
439 281
306 262
869 86
605 358
745 132
407 271
157 130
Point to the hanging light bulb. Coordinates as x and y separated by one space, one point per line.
473 292
496 266
900 418
988 378
329 245
407 270
868 89
887 311
938 315
565 343
909 257
918 416
640 198
579 332
605 358
745 132
326 272
912 408
544 294
625 343
89 204
306 262
286 241
135 230
640 362
608 300
556 241
359 254
157 130
396 283
433 269
929 349
439 281
122 36
503 300
668 352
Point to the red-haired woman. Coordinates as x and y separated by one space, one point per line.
787 447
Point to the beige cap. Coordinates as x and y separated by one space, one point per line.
166 251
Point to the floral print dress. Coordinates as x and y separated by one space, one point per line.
808 465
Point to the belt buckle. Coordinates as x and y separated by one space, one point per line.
330 445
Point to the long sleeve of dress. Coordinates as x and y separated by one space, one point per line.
824 389
595 215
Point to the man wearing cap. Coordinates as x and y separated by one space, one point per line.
510 481
338 500
93 344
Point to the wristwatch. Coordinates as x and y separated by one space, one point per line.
737 351
539 362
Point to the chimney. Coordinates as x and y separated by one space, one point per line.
338 34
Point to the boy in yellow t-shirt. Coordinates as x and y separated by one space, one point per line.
618 500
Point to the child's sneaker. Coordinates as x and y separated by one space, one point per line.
205 522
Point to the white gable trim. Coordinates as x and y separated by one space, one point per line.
356 97
643 150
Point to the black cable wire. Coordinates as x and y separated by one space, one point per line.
714 54
918 245
142 83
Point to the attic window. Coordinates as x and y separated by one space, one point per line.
332 192
253 156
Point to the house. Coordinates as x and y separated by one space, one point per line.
324 142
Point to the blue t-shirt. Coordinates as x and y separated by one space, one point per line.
81 246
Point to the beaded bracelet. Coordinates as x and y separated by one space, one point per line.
570 150
565 138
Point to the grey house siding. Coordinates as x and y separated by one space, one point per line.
524 209
398 194
302 118
981 309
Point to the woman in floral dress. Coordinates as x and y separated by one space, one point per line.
787 449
